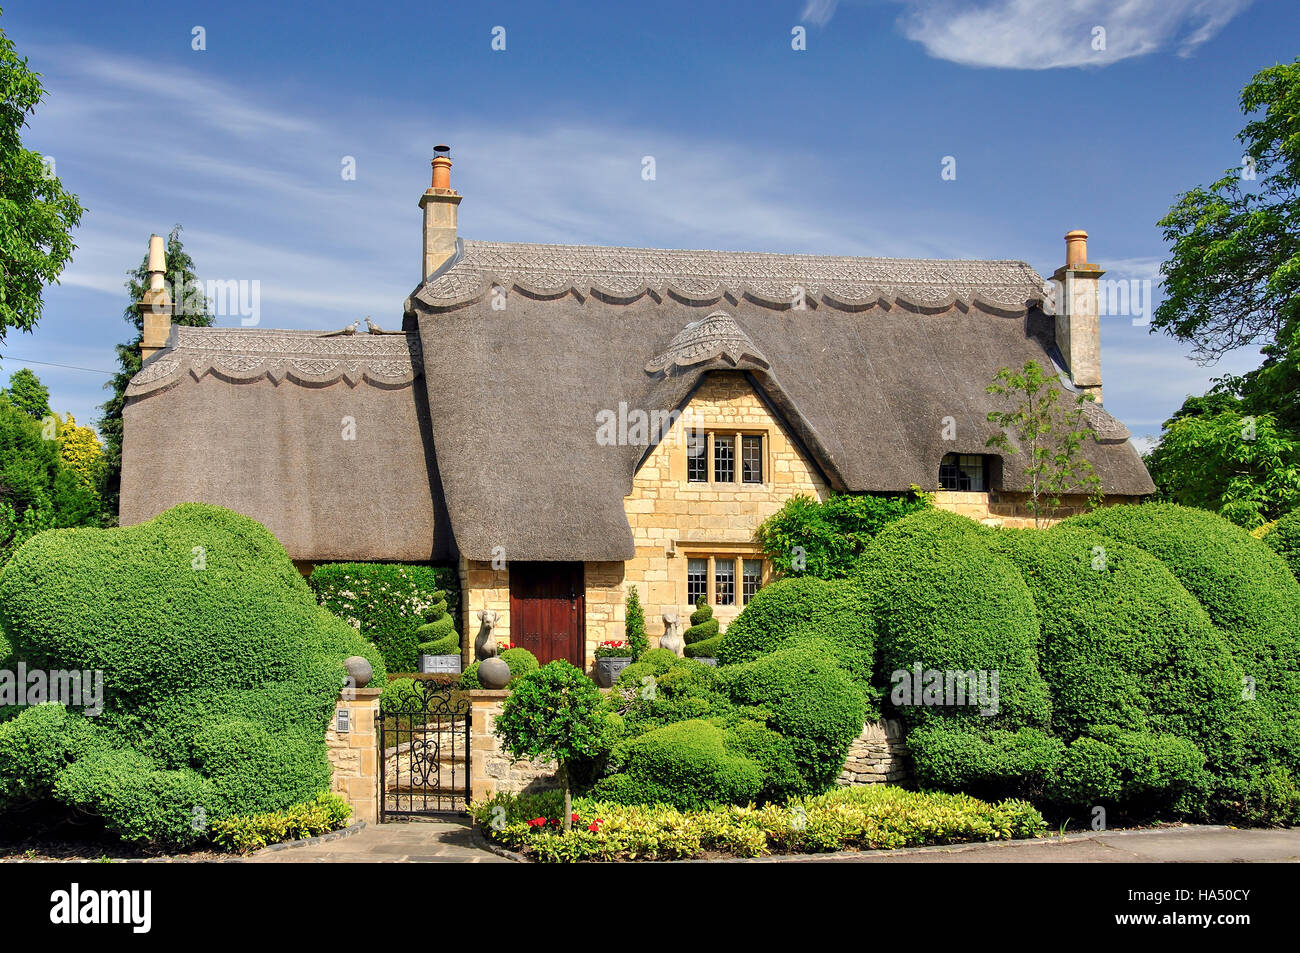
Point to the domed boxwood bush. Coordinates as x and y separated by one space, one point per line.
1284 539
956 755
1122 643
774 755
684 765
1247 591
808 699
701 637
942 600
220 671
834 615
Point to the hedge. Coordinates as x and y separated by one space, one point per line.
810 700
1284 539
942 600
834 615
221 671
956 755
386 603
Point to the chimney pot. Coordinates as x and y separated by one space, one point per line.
157 262
1076 248
442 168
439 203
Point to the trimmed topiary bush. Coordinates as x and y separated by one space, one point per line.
957 755
772 752
387 602
808 699
220 671
438 635
942 601
1284 539
519 661
684 765
702 640
834 615
634 624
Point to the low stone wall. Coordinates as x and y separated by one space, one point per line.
1011 510
491 770
354 754
877 756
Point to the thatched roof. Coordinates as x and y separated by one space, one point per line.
514 350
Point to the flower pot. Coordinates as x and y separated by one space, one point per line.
493 673
449 664
607 670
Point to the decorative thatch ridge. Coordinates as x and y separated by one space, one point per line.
704 277
314 358
716 336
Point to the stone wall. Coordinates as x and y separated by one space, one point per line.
877 756
491 770
354 754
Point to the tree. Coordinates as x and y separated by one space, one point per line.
37 214
825 538
554 713
634 626
191 309
1233 275
1052 435
81 452
28 394
1242 467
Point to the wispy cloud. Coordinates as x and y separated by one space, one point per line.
1047 34
819 11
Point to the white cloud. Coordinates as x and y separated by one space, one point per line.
1046 34
819 11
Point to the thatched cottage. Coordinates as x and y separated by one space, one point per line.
564 422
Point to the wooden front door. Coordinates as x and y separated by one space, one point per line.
548 611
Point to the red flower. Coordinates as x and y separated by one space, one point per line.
537 822
594 826
575 818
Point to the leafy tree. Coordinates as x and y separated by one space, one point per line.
634 626
1233 275
1244 468
554 713
191 309
825 538
81 451
37 214
1052 435
28 394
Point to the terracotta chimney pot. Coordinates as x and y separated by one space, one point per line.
1076 248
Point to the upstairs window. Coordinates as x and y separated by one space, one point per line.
697 458
751 458
716 458
724 460
962 472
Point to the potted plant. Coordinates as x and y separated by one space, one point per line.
439 643
612 658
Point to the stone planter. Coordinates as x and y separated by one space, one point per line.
607 670
442 664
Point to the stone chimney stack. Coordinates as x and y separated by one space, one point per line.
439 202
1078 325
155 306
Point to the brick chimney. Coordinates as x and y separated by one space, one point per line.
155 306
439 202
1078 325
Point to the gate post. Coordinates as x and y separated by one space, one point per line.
354 753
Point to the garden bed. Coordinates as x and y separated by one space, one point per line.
872 818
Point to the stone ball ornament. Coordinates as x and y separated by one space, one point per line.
493 673
359 670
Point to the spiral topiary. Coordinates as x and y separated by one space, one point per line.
438 635
702 638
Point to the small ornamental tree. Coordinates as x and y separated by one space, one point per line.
634 627
1049 433
558 713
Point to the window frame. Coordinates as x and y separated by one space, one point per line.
962 473
737 559
736 439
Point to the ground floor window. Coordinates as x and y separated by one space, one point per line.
963 472
723 579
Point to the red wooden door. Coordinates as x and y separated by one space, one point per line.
548 611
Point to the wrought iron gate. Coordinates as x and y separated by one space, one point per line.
424 751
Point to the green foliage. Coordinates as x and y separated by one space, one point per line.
685 765
190 309
35 747
1233 274
554 713
438 635
808 699
834 615
942 600
1243 467
824 538
862 818
1284 539
634 627
519 661
701 637
221 672
774 755
324 813
37 491
1051 435
37 215
28 394
962 756
387 603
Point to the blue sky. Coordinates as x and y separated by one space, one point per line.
836 148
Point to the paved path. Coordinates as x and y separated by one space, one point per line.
1200 844
417 841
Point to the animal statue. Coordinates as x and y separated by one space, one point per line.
485 646
672 637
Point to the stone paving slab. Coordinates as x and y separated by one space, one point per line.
416 841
